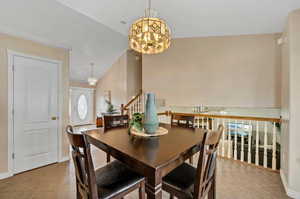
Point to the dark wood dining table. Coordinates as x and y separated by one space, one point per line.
152 157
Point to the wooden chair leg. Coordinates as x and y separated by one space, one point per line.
212 191
192 160
171 196
107 158
78 194
142 193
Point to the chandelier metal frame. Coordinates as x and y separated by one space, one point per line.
149 35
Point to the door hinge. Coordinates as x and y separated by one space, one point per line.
13 155
13 112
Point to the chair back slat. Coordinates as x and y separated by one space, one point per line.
182 121
91 176
207 162
81 178
115 121
84 168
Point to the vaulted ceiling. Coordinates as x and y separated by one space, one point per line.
94 32
50 22
193 18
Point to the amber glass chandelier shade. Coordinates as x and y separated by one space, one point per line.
149 35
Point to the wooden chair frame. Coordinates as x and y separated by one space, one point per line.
108 120
86 184
206 168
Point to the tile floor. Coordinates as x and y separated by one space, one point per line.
234 181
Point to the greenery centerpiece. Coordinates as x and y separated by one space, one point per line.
110 107
136 121
147 122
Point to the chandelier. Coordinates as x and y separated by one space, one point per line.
92 80
149 35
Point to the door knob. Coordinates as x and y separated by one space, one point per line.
54 118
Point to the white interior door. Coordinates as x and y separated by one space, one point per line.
35 113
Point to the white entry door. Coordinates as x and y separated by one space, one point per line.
81 106
35 113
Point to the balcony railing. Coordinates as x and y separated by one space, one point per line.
253 140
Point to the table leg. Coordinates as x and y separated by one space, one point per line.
154 188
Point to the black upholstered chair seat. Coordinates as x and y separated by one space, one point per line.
188 182
181 179
114 178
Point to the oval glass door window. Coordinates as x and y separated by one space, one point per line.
82 107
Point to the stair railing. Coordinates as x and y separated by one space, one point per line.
135 105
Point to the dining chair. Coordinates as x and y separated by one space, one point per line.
187 181
112 181
182 121
185 122
112 122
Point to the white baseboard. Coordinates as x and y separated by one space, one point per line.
5 175
64 159
291 193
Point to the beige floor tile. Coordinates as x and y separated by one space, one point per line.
57 181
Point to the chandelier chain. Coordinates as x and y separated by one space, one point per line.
149 8
92 69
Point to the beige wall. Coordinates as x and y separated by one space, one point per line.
30 48
291 107
218 71
134 74
114 80
123 79
285 105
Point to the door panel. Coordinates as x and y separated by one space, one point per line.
38 85
35 103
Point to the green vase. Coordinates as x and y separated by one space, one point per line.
151 119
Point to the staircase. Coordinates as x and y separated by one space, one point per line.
135 105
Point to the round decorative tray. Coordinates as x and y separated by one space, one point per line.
160 131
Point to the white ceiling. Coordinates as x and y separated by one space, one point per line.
92 28
50 22
190 18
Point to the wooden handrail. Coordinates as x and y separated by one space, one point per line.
164 113
276 120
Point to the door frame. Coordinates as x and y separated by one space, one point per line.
10 57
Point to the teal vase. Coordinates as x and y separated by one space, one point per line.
151 119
